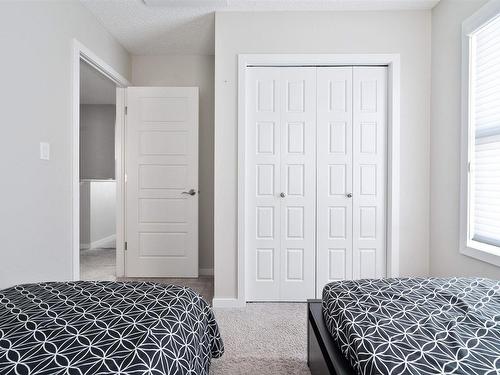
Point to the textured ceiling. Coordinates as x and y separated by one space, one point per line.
94 87
177 28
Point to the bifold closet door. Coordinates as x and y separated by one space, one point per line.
335 161
298 183
369 172
281 189
351 190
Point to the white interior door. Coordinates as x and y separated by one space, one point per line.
161 182
264 187
298 183
369 171
316 142
352 123
335 160
281 122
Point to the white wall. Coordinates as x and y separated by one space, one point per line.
85 239
97 141
445 259
35 92
404 32
97 213
102 213
190 70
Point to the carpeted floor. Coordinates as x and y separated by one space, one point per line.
263 339
98 264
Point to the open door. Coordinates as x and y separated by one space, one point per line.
161 191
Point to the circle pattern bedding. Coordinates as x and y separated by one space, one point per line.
90 327
416 326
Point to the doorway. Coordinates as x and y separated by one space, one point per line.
156 235
294 260
98 120
97 175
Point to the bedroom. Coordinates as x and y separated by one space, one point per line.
211 46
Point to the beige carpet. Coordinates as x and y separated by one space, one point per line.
263 339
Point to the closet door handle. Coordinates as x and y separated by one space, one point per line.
190 192
348 195
282 195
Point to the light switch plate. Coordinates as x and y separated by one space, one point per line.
44 151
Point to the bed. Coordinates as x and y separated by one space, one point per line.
89 327
412 326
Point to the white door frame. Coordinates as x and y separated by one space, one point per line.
392 61
82 53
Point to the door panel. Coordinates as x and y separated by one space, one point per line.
369 171
263 153
161 164
281 113
334 147
298 175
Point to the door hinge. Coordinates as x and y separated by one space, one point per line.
125 245
126 110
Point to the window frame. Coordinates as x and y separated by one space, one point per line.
468 246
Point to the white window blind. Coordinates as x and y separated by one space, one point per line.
485 115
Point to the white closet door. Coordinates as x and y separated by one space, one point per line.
298 183
264 185
369 171
281 170
295 115
334 184
351 144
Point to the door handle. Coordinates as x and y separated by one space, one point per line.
190 192
348 195
282 195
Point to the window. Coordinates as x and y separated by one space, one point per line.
480 212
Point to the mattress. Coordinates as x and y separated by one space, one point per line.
416 326
106 328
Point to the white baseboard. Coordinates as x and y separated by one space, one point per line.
226 303
206 271
103 241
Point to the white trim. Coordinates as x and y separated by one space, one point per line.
227 303
481 251
482 16
393 153
121 97
103 241
468 246
314 6
206 271
82 53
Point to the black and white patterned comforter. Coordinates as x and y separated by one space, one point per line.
80 328
416 326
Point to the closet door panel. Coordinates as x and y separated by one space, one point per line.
334 168
263 171
369 171
298 175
